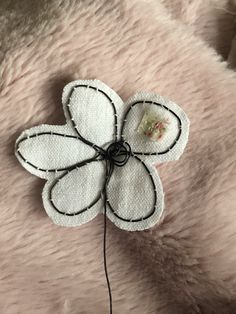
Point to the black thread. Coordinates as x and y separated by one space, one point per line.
119 156
105 256
116 155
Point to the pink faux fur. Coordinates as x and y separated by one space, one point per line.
187 264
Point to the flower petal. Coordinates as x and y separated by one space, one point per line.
75 198
91 107
135 196
171 145
47 150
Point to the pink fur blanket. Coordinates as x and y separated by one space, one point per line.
186 264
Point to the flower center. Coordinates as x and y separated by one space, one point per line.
118 153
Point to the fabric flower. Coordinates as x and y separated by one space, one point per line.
99 156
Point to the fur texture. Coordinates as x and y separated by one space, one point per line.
187 263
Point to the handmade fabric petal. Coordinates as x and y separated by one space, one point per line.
47 150
75 197
135 196
91 107
171 143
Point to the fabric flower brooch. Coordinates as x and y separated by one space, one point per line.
102 160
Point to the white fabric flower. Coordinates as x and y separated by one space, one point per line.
73 158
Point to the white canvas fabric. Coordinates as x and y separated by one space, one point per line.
73 158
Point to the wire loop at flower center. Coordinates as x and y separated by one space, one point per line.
118 153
